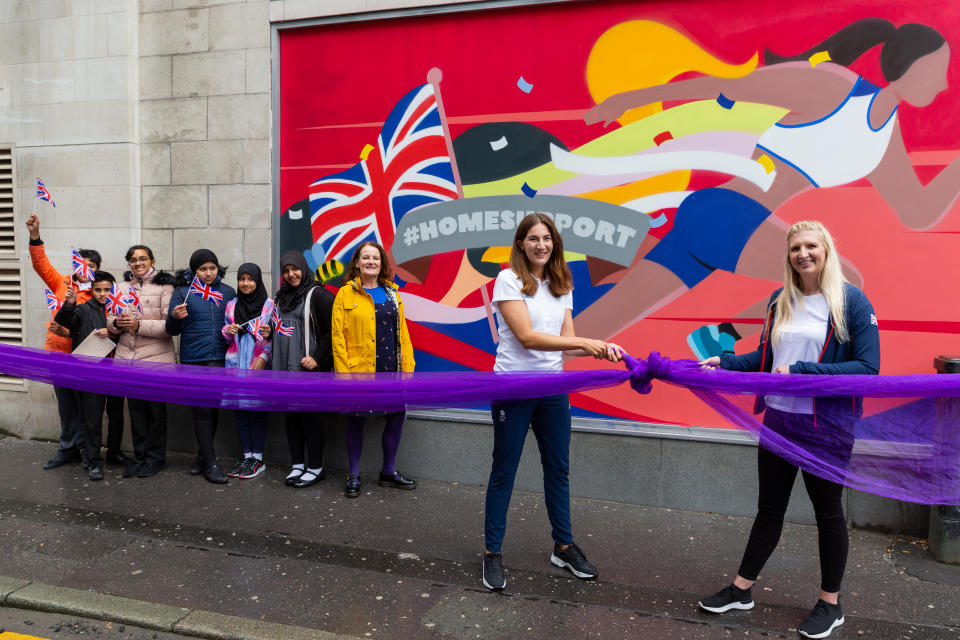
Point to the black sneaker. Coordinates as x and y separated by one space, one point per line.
493 577
573 559
730 597
198 466
821 622
95 473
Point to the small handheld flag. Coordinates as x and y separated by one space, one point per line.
115 303
255 325
80 266
205 291
275 316
133 300
43 193
53 303
284 330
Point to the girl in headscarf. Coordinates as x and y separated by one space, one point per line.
249 347
305 309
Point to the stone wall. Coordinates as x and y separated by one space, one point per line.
205 122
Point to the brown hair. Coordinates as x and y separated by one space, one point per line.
386 272
556 269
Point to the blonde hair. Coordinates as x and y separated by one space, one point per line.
831 282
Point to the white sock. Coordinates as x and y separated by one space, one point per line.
258 456
293 471
247 455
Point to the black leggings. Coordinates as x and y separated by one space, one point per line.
776 482
306 430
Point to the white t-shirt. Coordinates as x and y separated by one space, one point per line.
801 340
546 316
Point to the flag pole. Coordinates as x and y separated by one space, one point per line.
35 196
434 77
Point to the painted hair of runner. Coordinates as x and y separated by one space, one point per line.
831 283
386 271
556 270
902 46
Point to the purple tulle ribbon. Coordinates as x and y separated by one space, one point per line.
905 444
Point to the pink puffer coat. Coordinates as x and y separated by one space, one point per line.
151 340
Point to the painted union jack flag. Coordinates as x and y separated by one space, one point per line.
80 266
133 300
52 302
116 300
409 167
284 330
43 194
205 291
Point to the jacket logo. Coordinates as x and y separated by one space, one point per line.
873 319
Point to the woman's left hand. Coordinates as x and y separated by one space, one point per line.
265 330
308 363
258 364
784 368
101 333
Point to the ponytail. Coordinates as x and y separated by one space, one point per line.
902 46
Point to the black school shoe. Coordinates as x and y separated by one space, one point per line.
493 576
151 468
396 481
215 474
351 488
62 458
117 459
730 597
197 467
572 558
132 470
96 473
821 622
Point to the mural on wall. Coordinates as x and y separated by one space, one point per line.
671 147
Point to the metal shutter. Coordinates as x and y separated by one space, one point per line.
11 274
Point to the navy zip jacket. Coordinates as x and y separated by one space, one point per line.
82 319
200 337
858 355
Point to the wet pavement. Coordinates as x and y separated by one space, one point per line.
402 564
48 626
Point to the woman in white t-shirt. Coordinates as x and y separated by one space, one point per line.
816 324
534 305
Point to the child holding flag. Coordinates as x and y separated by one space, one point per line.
58 339
82 320
196 315
247 331
141 334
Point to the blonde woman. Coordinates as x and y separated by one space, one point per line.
816 323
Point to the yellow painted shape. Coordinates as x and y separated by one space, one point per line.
631 191
641 53
818 57
682 120
10 635
496 255
767 163
367 148
468 280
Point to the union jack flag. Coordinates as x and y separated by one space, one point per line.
133 300
116 302
42 192
408 168
53 303
80 266
255 325
275 316
205 291
284 330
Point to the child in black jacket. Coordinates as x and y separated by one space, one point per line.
82 320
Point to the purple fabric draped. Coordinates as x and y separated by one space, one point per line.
903 445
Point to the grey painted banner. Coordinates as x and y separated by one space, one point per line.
597 229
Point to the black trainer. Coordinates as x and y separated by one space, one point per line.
572 558
821 622
493 577
730 597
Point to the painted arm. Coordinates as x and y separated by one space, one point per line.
518 319
918 206
799 88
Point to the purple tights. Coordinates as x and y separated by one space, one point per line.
390 441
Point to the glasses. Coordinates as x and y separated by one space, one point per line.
140 259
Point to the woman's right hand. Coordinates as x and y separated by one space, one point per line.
710 363
595 348
180 311
233 329
308 363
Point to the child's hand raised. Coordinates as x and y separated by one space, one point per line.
70 297
33 226
180 311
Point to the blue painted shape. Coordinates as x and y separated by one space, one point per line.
528 190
